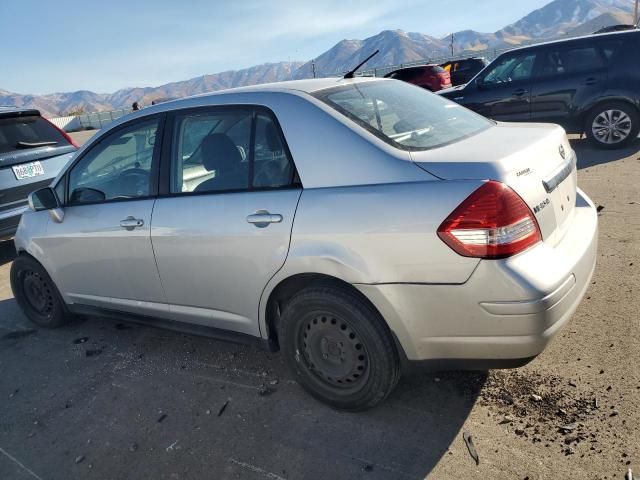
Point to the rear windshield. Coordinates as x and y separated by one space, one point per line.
403 115
20 133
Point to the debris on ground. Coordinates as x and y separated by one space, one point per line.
133 447
264 390
468 440
172 446
162 417
223 408
599 208
543 408
80 340
80 459
568 428
18 334
93 352
368 468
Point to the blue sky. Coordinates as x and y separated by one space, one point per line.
103 45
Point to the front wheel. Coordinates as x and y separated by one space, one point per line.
612 125
339 348
36 293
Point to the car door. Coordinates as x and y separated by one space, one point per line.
102 248
503 91
222 227
567 77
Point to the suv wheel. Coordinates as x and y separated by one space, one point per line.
36 293
339 348
612 125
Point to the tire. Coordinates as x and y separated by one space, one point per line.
624 120
339 348
36 293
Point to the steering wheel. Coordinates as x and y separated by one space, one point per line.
135 180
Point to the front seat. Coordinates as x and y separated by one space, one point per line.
220 154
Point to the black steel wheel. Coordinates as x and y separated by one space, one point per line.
36 293
339 348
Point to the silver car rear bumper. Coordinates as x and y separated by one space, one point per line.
508 309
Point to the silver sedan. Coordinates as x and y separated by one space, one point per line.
358 225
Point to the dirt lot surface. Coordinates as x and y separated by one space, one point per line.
105 400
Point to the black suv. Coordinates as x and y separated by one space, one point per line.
462 71
588 85
32 152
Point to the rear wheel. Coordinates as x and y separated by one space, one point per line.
339 348
36 293
612 125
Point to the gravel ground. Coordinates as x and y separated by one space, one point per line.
107 400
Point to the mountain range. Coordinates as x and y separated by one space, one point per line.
559 18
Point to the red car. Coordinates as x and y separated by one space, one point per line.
431 77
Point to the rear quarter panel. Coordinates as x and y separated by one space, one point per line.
384 233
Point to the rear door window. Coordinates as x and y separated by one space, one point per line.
567 61
19 133
213 152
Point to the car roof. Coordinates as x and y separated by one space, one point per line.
414 67
13 111
573 39
291 86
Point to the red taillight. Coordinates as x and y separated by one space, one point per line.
62 132
493 222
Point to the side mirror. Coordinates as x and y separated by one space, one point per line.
46 199
43 199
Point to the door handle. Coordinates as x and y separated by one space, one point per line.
263 218
130 223
590 81
519 92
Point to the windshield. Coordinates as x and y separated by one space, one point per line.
404 115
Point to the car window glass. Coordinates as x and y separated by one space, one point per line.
404 115
272 165
211 151
17 133
612 50
510 69
572 60
118 167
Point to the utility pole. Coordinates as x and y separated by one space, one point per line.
313 67
635 15
452 42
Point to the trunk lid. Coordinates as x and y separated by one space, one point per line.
535 160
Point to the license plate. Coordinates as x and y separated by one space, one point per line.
28 170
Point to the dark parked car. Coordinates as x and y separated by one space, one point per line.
462 71
587 85
32 152
431 77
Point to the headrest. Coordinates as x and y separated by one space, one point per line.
220 153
